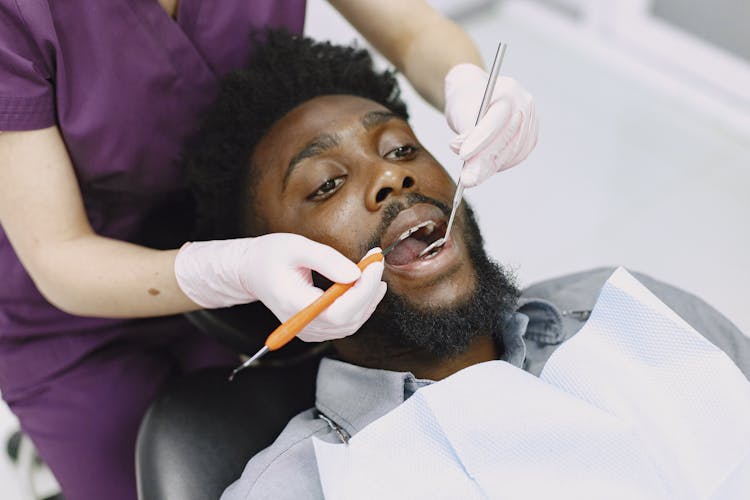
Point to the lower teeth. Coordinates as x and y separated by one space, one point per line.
432 253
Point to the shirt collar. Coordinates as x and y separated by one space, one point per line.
353 396
545 321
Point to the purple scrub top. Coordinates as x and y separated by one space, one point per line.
126 85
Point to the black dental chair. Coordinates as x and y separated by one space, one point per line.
197 437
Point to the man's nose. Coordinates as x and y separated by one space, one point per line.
388 180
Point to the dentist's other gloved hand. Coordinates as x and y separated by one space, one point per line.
276 269
504 136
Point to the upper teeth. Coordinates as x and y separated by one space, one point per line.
428 225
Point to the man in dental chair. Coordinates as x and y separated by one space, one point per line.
329 154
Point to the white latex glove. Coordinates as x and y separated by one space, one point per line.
503 137
276 269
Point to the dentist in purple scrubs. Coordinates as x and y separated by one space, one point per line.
96 101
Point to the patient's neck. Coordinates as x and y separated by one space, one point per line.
422 365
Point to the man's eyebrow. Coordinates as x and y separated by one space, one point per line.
318 145
375 118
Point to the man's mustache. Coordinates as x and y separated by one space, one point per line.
391 211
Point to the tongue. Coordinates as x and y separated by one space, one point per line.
405 252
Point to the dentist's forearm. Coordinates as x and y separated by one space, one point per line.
417 39
42 215
432 54
97 276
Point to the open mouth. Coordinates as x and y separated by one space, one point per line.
422 235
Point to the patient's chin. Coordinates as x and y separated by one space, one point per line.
443 330
443 320
438 301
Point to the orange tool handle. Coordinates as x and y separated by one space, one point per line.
291 327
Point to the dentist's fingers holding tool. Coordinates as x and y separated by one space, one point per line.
225 273
350 311
503 137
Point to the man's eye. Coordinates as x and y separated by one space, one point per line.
405 151
327 188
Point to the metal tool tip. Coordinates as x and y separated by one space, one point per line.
406 234
249 362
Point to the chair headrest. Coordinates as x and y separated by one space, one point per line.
197 437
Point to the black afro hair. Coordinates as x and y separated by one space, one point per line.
284 71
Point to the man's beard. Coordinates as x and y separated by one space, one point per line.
398 325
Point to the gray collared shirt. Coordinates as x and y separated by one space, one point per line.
349 397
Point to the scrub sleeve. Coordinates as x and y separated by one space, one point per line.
126 85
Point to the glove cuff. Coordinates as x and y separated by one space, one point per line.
205 273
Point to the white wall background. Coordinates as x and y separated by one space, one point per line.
635 165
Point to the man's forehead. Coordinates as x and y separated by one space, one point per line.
328 112
317 122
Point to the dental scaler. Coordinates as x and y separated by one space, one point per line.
289 329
